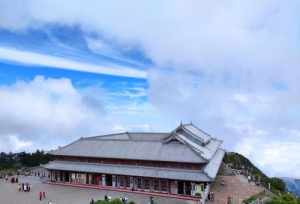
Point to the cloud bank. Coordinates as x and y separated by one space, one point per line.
232 67
253 35
43 112
262 123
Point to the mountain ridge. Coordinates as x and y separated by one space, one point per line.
242 164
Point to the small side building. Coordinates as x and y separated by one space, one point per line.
184 161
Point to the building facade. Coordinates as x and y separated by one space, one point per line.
182 162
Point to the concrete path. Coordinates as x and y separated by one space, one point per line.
67 195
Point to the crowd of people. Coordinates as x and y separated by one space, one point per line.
42 195
14 180
211 196
24 187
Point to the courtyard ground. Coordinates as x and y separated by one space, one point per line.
68 195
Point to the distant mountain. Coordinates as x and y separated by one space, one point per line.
293 185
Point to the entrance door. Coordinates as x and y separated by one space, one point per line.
188 188
67 177
180 187
61 176
108 179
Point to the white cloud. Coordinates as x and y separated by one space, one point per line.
46 112
18 144
100 46
12 143
32 58
259 123
277 156
257 38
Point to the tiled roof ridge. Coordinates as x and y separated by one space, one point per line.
204 132
124 140
110 136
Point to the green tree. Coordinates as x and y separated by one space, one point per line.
277 184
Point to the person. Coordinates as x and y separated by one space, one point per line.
105 197
92 201
151 200
44 194
229 200
19 187
40 195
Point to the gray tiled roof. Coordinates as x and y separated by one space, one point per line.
186 143
211 169
131 149
205 151
154 172
197 133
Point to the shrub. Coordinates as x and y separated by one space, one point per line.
277 184
101 202
116 201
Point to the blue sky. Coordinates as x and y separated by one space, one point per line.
75 70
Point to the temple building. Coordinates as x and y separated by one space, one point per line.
184 161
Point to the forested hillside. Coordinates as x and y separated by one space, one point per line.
239 162
23 159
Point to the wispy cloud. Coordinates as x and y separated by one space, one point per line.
37 59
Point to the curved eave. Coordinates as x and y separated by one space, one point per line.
212 168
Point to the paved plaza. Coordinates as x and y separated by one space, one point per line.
237 187
68 195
